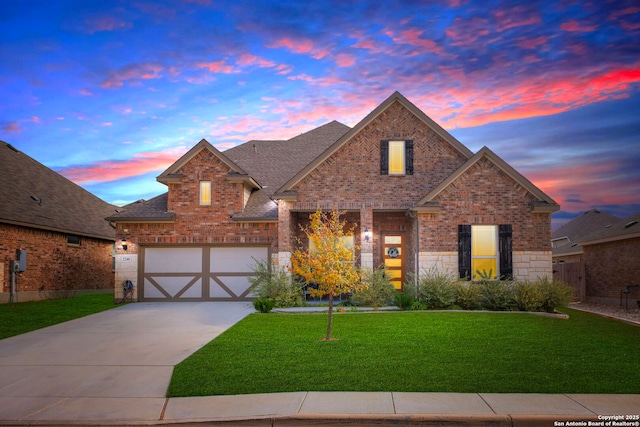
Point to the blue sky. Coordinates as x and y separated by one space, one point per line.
110 93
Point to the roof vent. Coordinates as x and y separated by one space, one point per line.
630 223
11 147
37 199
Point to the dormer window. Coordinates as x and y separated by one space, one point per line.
205 193
396 157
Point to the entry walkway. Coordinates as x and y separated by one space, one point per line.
114 367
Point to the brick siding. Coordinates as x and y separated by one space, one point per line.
609 268
52 263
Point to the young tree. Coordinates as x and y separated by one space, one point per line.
328 262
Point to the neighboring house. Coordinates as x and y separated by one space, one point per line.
417 196
568 257
611 263
56 225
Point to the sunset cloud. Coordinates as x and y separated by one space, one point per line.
114 170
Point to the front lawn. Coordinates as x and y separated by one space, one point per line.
416 352
22 317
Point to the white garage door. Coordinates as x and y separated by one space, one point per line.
202 273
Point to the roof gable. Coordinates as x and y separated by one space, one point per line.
171 175
395 97
543 203
35 196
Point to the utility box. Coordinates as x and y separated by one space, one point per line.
21 259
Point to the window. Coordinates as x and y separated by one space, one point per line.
396 157
484 251
73 239
205 193
348 242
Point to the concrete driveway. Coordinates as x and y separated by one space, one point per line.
115 362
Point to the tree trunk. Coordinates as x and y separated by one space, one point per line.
330 325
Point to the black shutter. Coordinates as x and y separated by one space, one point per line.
384 157
464 251
408 157
505 247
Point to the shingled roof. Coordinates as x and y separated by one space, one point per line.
627 228
37 197
270 163
566 238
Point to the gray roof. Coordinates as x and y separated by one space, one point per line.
35 196
627 228
568 236
269 163
154 209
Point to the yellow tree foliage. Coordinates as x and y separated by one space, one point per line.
328 262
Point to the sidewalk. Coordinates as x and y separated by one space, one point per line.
329 408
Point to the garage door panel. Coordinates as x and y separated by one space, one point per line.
200 273
236 258
173 260
238 285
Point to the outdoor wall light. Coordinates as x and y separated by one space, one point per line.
367 234
124 244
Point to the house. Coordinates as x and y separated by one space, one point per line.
54 229
611 263
418 198
567 252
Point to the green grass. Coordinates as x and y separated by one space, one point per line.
416 352
22 317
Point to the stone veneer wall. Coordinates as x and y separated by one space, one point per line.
527 265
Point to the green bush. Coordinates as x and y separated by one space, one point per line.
497 294
467 295
435 289
277 284
378 291
556 294
404 300
263 304
528 296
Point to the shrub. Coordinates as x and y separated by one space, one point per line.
528 296
377 290
467 295
263 304
277 284
435 289
556 293
404 300
497 294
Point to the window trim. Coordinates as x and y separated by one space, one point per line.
401 150
205 187
495 257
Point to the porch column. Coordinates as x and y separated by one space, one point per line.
366 237
284 234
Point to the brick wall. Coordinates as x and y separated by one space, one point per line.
52 264
351 179
485 195
609 268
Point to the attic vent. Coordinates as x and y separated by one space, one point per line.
631 223
37 200
574 245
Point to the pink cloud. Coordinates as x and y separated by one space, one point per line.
467 31
133 72
105 23
575 26
220 66
345 60
141 163
515 17
413 38
532 43
301 46
11 127
247 59
86 92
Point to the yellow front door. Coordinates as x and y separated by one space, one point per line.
393 256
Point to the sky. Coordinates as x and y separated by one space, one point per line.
111 93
